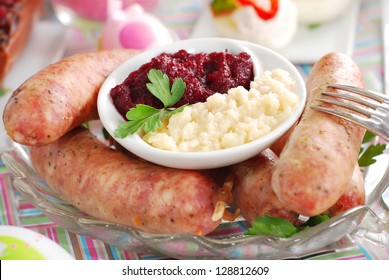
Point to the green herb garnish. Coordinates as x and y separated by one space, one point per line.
106 134
367 154
274 226
223 6
147 117
368 137
3 91
314 221
280 227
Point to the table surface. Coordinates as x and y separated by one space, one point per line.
181 17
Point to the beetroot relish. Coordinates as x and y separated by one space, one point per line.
203 73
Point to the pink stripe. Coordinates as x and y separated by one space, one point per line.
356 257
26 206
6 205
126 255
366 52
39 225
92 249
53 235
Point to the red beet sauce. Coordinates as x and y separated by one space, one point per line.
203 73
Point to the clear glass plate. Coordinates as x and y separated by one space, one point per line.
366 226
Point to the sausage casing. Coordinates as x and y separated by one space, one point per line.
111 186
252 190
353 196
315 166
60 97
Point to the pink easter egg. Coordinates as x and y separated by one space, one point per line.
136 35
133 28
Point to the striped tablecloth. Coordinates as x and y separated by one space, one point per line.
181 16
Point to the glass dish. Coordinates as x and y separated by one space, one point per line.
366 226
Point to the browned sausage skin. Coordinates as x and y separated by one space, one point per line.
279 144
60 97
109 185
254 196
355 193
252 190
353 196
315 166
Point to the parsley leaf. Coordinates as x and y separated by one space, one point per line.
280 227
147 117
274 226
367 156
178 89
160 87
369 136
106 134
139 116
141 111
368 152
315 220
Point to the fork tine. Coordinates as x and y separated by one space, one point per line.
382 98
347 105
359 120
355 99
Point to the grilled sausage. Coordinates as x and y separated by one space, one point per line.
355 192
316 165
353 196
279 144
252 190
60 97
111 186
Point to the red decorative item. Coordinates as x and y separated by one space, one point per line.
262 13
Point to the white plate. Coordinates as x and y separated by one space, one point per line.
46 44
309 44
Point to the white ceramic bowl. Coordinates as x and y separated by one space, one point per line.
264 58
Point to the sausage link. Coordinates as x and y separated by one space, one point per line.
315 166
279 144
252 190
254 196
355 192
60 97
111 186
353 196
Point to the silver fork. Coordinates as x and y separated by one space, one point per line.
368 109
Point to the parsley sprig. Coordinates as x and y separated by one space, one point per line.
367 154
149 118
281 227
